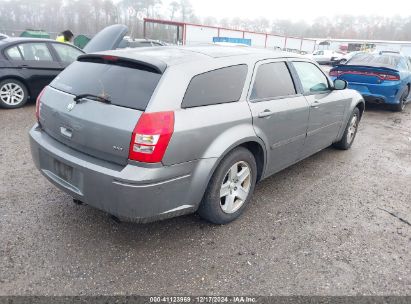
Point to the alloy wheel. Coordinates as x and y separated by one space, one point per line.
235 187
352 129
11 94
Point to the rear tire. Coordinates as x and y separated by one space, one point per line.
350 131
13 94
230 188
403 100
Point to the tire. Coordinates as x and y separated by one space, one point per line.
13 94
224 209
350 131
403 99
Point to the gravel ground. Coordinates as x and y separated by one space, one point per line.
321 227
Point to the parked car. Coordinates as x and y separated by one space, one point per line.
325 56
133 43
382 77
344 58
27 65
152 133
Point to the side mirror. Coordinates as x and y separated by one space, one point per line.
340 84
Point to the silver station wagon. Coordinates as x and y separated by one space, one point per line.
152 133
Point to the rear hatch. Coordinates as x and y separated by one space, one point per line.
102 123
109 38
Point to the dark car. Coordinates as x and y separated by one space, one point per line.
27 65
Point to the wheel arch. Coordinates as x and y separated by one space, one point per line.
361 106
254 145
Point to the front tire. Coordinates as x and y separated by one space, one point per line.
230 188
13 94
350 131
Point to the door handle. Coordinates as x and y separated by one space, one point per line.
315 104
23 66
66 132
265 113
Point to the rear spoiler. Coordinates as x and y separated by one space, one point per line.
365 67
143 62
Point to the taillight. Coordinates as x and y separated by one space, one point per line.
381 76
389 77
151 137
335 73
38 104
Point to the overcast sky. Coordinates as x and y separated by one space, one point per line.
299 10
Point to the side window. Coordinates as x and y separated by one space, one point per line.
272 80
13 53
214 87
35 51
403 64
66 53
312 79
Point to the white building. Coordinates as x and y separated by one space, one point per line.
358 44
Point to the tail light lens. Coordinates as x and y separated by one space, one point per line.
381 76
389 77
38 104
335 73
151 137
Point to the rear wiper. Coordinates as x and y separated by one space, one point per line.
91 96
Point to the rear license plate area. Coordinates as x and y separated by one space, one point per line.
63 171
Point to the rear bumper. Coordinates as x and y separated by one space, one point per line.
379 93
132 193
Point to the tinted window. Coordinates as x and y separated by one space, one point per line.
67 53
214 87
272 80
14 53
35 52
376 60
312 79
402 65
124 86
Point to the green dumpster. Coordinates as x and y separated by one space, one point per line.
35 34
80 41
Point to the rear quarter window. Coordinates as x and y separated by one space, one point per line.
122 85
214 87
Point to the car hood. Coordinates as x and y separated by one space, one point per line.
108 38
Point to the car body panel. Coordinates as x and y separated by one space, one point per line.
202 136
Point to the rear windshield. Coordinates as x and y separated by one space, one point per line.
375 60
124 86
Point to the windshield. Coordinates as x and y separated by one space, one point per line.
123 86
375 60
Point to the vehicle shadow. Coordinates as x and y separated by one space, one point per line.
93 224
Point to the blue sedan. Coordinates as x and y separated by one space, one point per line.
383 77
